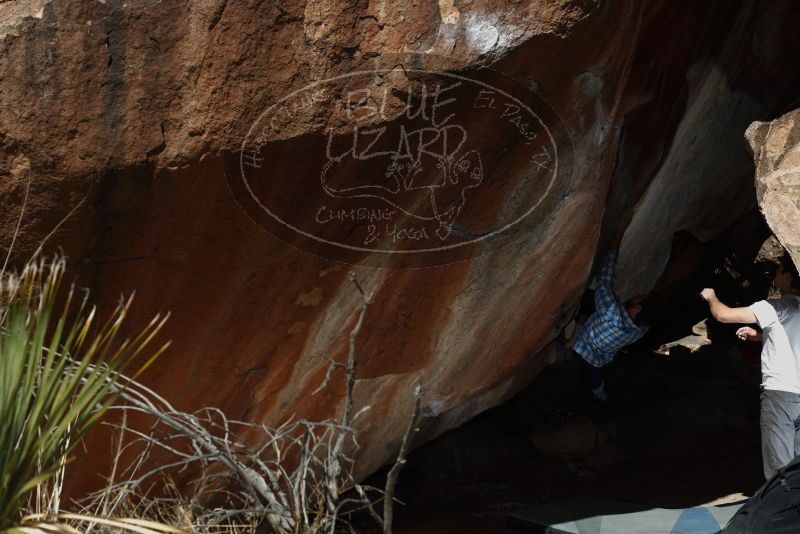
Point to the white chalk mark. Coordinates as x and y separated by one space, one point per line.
489 34
481 33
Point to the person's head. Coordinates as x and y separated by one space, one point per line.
645 310
787 279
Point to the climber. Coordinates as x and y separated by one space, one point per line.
613 325
779 320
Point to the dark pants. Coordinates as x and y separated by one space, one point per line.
780 429
592 376
586 308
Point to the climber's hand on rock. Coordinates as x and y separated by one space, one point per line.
708 294
747 333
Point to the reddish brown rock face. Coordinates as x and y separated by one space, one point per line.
142 110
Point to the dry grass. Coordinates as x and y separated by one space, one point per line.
238 476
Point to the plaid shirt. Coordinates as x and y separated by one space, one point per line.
610 327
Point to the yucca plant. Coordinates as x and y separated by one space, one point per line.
58 372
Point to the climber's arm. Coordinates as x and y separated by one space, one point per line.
604 282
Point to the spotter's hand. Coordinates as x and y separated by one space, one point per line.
747 333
